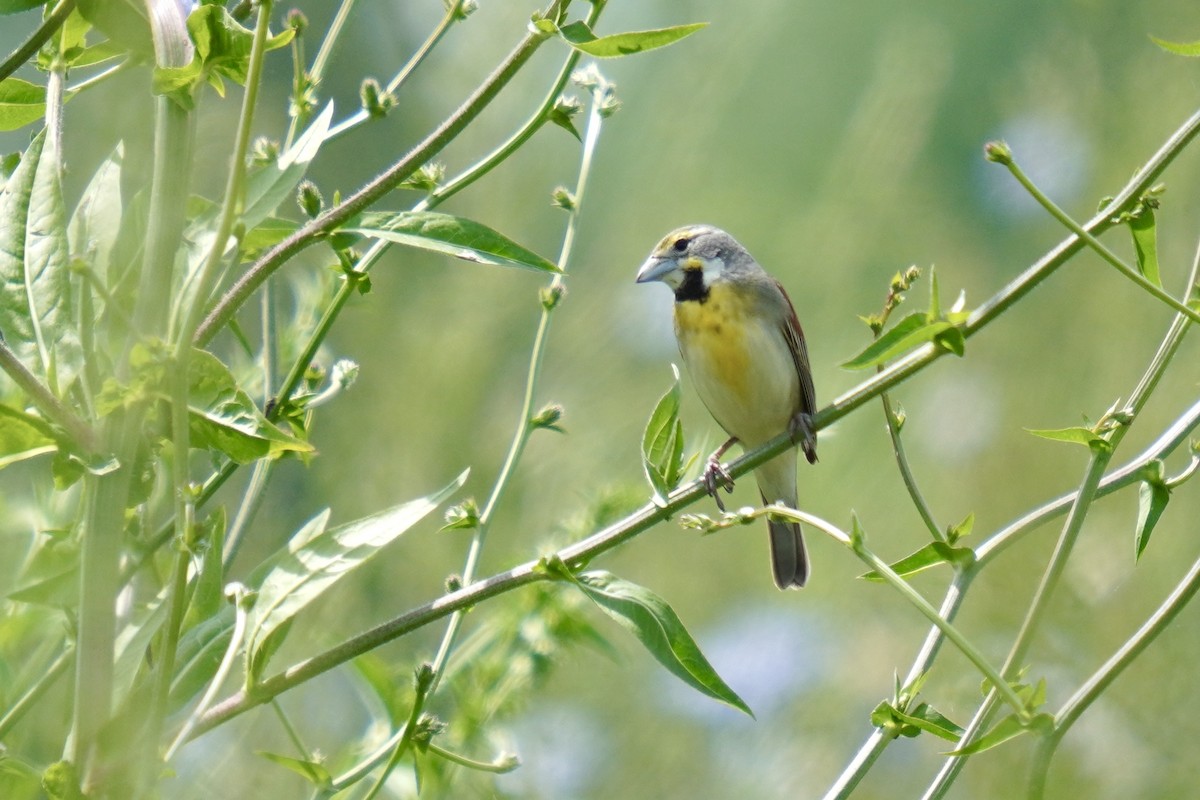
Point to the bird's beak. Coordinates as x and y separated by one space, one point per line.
656 268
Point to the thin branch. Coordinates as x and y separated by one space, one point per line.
277 256
40 395
38 38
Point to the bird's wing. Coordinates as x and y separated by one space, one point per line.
793 334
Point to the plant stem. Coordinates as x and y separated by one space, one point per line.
1079 702
651 514
40 395
361 116
879 738
27 701
906 474
39 37
1095 244
858 545
377 188
1062 551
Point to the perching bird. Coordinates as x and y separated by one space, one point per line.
741 341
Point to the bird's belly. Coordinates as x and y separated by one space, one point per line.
742 369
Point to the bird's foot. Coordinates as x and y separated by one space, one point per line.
801 430
717 477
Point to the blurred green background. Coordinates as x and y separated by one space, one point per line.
839 143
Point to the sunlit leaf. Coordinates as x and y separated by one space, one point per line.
21 103
17 6
1073 435
35 314
123 21
662 442
1008 728
304 569
222 417
579 36
923 718
199 655
928 556
1145 242
22 436
96 222
1191 49
1153 496
312 771
131 645
915 329
451 235
648 617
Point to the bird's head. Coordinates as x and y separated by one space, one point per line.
693 258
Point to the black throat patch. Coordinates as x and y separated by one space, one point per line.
693 287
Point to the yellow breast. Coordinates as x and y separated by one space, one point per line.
712 333
740 364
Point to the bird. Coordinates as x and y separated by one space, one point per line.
744 348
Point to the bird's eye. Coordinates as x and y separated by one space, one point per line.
681 245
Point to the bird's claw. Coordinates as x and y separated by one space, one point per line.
717 477
801 431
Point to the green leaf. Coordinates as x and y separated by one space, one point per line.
1153 496
199 655
22 436
962 529
209 595
312 771
1145 242
223 418
1191 49
21 103
35 313
579 36
648 617
928 556
915 329
923 718
97 219
317 558
17 6
1008 728
123 21
222 50
131 645
1074 435
662 443
454 236
267 188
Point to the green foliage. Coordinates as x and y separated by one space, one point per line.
450 235
21 102
656 625
662 443
143 582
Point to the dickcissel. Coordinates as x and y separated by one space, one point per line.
741 341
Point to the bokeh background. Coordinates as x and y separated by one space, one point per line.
840 143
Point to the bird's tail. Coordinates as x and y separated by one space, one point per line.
789 559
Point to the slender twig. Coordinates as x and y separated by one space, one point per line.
27 701
377 188
651 514
1087 694
39 37
1095 244
453 14
40 395
1087 493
